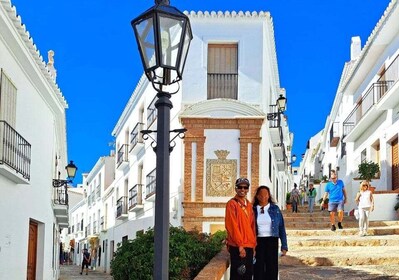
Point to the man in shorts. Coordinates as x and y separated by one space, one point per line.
336 192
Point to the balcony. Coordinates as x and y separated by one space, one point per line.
334 134
121 208
135 198
122 159
151 113
60 205
15 155
150 187
365 112
391 97
274 118
103 224
136 138
222 85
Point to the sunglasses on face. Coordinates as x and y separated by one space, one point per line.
262 210
242 187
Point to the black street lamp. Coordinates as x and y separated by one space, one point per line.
163 35
62 185
281 103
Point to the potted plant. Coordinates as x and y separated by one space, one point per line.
396 207
325 178
316 181
367 171
288 201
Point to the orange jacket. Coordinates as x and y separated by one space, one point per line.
240 224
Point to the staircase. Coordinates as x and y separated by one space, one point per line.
316 252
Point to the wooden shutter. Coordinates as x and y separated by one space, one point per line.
8 100
395 165
222 71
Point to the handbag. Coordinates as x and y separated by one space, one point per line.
356 214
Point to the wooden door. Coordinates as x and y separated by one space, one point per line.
32 251
395 164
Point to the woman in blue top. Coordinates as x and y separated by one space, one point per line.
270 228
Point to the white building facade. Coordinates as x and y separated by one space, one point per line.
33 152
363 124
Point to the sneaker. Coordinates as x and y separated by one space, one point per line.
340 225
333 227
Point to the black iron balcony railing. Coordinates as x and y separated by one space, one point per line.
15 151
135 196
222 85
391 73
151 183
61 195
274 117
371 97
135 135
123 154
334 134
151 113
121 206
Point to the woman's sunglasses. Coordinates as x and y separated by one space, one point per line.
242 187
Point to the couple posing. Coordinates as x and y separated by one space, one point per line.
253 233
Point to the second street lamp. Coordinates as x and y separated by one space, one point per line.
163 35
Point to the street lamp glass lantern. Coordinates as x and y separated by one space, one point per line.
163 35
281 103
71 170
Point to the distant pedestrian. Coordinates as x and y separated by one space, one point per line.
365 200
311 197
269 229
295 197
241 236
86 261
303 196
335 189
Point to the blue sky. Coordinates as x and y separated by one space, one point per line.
98 64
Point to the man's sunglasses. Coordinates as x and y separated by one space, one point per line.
242 187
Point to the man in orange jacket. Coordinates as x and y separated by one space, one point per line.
241 236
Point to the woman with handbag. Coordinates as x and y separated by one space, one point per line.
365 201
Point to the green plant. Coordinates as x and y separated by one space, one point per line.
288 198
325 178
367 170
316 181
189 252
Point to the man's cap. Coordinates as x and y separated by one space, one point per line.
241 181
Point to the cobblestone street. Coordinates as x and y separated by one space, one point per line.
71 272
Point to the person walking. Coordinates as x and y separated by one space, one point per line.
365 200
241 236
295 197
269 229
85 261
311 197
335 189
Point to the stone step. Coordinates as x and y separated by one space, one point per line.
344 256
382 230
347 224
304 242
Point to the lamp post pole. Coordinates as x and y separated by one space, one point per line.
163 35
161 242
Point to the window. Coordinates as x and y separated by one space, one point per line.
363 156
8 100
222 71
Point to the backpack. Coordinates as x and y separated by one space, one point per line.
295 195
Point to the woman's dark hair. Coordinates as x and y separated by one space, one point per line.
256 201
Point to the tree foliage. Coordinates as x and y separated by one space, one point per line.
189 252
367 170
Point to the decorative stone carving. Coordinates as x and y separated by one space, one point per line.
221 174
